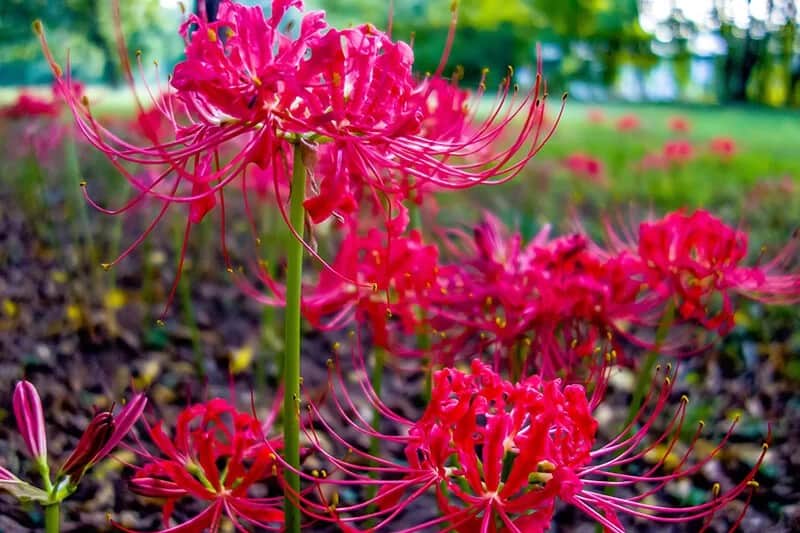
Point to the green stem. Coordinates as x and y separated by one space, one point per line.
52 518
291 363
423 335
645 375
375 443
377 386
185 294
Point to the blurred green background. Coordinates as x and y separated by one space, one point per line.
712 51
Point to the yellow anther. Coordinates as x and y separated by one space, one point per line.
685 399
105 266
545 466
38 29
715 488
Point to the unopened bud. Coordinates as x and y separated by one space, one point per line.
92 441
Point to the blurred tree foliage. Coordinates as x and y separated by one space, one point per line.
86 29
499 33
588 40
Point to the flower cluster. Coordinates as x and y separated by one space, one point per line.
250 90
551 300
284 103
501 454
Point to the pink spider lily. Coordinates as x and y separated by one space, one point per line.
102 435
397 270
628 122
723 147
217 455
679 124
540 301
693 259
678 152
586 167
248 91
28 105
501 455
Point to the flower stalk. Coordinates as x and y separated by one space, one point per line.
52 518
291 361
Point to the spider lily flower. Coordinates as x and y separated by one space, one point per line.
28 105
586 167
544 302
679 124
248 91
723 147
678 152
502 455
398 271
217 455
691 259
628 122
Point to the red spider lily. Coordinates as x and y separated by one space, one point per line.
586 167
678 152
596 116
35 121
679 124
628 122
535 300
248 91
28 105
723 147
397 270
694 258
501 455
217 455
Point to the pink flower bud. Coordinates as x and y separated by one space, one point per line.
5 475
30 419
